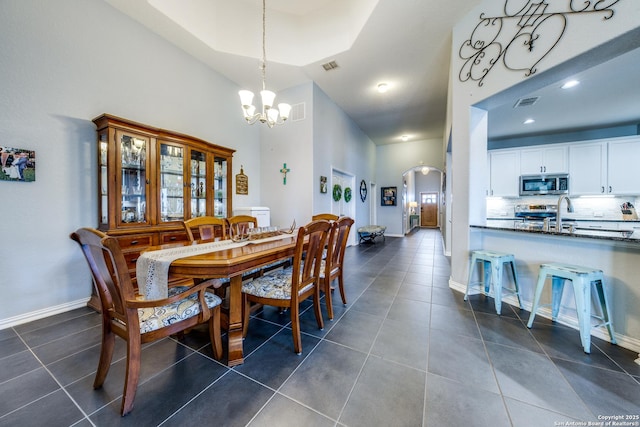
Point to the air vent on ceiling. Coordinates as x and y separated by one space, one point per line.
332 65
526 102
297 112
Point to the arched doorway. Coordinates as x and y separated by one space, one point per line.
423 198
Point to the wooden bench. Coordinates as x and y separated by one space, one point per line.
368 233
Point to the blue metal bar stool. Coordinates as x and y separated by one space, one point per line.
582 278
493 270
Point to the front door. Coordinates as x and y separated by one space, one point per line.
428 209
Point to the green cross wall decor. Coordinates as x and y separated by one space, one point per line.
284 171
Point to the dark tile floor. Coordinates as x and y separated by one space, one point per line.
405 351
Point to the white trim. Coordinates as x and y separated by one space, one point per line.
40 314
601 332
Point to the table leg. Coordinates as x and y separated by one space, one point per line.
236 356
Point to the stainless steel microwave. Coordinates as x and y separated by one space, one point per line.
532 185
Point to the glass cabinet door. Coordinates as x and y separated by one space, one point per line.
171 183
132 150
103 185
220 187
198 183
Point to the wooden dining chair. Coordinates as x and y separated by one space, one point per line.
325 216
239 225
333 262
135 320
288 287
209 228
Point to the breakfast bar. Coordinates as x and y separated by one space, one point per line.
616 253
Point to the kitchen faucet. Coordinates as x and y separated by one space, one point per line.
559 211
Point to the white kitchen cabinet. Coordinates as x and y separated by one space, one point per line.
587 169
605 167
504 173
623 166
544 160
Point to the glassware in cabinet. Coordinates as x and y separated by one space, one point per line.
220 187
171 183
103 184
132 152
198 183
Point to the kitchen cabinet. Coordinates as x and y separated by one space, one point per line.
504 167
623 166
587 168
543 160
605 167
150 179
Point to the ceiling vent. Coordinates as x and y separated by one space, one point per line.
526 102
332 65
297 112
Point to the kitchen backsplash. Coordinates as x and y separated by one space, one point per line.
605 208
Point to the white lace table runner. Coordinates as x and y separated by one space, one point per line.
152 267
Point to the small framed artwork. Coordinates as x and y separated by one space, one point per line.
18 164
388 196
323 184
242 182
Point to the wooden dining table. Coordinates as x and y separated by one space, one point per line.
231 263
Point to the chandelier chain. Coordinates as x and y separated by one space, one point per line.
264 43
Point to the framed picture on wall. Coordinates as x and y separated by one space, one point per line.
388 196
18 164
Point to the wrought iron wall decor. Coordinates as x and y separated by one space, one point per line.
529 26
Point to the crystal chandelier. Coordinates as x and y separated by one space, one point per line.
269 115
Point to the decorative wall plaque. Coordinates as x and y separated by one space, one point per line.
242 182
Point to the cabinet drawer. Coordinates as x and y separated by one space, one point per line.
173 237
131 258
135 241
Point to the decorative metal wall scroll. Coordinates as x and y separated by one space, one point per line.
524 36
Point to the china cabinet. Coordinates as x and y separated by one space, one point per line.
150 179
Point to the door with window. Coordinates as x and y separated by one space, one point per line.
428 209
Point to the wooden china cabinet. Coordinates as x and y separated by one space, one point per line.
150 179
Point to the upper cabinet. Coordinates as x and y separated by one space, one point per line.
544 160
151 178
504 167
605 167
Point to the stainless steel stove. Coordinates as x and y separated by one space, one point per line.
536 212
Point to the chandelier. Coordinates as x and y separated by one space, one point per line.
269 115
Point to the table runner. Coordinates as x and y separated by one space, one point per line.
152 267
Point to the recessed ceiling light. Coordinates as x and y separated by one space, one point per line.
383 87
529 121
570 84
405 137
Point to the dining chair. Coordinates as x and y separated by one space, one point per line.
239 225
325 216
288 287
209 228
332 264
136 320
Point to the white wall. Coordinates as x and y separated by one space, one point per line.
393 161
339 144
62 64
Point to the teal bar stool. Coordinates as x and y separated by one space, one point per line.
583 278
493 271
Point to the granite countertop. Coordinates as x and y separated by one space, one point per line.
566 218
583 233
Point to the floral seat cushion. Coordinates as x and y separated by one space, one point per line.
154 318
274 285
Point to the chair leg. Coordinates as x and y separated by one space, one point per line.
606 316
328 298
295 328
214 332
106 354
341 285
317 310
132 374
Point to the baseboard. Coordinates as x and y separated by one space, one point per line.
40 314
624 341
